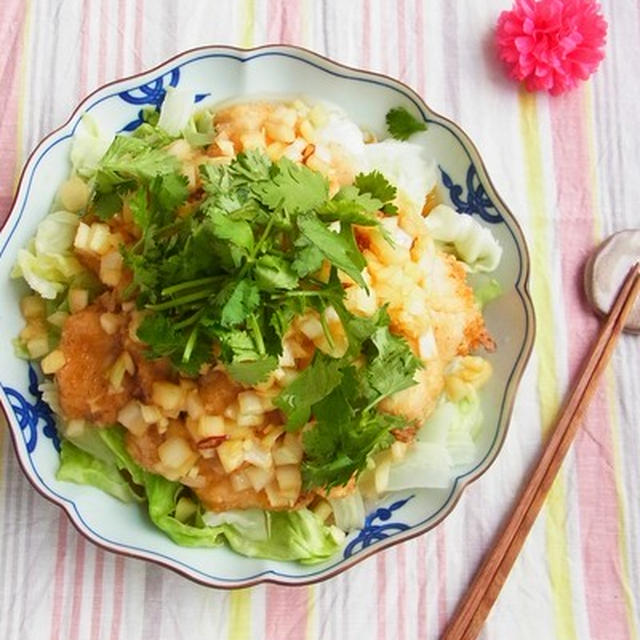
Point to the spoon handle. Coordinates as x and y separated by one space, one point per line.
494 569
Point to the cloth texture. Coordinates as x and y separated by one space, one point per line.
566 166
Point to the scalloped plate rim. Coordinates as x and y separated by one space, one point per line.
521 286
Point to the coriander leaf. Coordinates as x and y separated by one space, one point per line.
151 134
292 187
340 249
314 383
308 260
139 205
273 273
132 158
376 185
401 124
225 227
158 333
392 364
107 204
243 300
251 372
343 438
237 345
379 188
252 165
170 190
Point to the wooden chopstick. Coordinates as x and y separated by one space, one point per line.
476 604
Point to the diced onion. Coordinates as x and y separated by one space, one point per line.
32 307
249 403
130 417
259 477
210 426
166 395
78 299
256 455
83 233
54 361
99 238
231 454
175 452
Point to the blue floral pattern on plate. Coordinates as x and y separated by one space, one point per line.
477 199
152 94
372 532
30 414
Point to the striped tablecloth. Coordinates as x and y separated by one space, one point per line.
568 168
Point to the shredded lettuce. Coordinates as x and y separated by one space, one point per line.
47 264
89 144
80 467
176 111
469 240
99 456
446 440
485 289
199 130
348 511
294 535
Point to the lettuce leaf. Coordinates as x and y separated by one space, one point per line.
99 456
465 237
80 467
48 264
293 535
89 144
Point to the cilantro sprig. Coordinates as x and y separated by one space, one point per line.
401 124
221 274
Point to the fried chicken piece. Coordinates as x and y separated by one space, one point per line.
83 380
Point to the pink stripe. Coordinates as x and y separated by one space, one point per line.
402 41
401 598
366 34
381 604
105 13
291 27
137 36
594 457
441 554
96 610
78 587
12 17
118 592
122 21
421 613
420 55
274 21
286 613
58 583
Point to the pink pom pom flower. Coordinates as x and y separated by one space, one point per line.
551 44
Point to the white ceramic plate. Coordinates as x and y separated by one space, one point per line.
216 74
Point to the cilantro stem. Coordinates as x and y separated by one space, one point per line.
177 302
189 284
191 343
326 330
252 321
252 257
194 317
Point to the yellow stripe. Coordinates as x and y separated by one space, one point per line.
240 600
611 392
248 13
240 614
310 632
21 92
556 535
